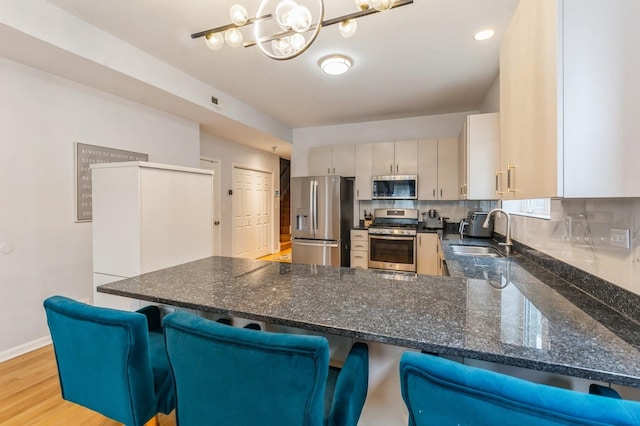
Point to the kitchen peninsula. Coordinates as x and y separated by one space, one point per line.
505 310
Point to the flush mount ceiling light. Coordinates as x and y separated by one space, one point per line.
284 29
335 64
484 35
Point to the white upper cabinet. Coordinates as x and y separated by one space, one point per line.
447 169
364 155
428 169
478 157
569 93
438 169
395 158
332 160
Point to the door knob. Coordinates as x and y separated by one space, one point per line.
217 222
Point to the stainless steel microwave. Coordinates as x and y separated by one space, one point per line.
395 187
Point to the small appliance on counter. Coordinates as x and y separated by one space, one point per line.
368 219
432 220
474 227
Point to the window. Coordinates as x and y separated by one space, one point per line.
538 207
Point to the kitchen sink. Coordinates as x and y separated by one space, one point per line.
468 250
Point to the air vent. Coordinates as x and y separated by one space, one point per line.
216 102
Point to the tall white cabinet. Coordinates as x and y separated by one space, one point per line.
146 217
569 96
478 157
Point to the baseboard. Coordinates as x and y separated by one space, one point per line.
24 348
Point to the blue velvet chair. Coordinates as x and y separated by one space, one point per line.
442 392
234 377
110 361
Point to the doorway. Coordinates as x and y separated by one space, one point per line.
213 164
285 204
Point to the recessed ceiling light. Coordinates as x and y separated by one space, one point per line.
484 35
335 64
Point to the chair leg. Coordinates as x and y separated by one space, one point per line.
153 421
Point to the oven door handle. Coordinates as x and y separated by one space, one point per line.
398 238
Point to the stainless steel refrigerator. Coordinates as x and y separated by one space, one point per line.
321 219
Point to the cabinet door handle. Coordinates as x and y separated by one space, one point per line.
511 179
397 169
391 168
440 192
434 193
357 193
334 170
420 241
498 174
328 170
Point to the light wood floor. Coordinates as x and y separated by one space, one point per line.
284 256
30 395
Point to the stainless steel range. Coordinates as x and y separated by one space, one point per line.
392 239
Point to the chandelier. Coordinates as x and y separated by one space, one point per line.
284 29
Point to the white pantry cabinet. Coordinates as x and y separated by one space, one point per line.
478 157
146 217
332 160
364 156
438 169
395 158
569 93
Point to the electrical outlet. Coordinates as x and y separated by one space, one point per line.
620 238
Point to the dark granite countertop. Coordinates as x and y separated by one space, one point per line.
505 310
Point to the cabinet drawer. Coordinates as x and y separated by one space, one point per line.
359 235
359 245
359 259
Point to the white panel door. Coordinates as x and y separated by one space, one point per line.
252 213
240 222
263 213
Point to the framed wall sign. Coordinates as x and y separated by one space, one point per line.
85 155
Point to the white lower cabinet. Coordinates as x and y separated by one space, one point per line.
359 249
429 254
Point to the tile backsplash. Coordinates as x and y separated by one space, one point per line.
579 233
454 211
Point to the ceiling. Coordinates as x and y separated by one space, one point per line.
415 60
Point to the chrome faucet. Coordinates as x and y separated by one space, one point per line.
507 243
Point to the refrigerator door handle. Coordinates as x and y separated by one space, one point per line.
318 244
311 206
314 197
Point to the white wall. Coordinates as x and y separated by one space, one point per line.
42 116
491 102
232 154
433 126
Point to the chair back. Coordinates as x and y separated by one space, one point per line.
103 359
234 376
442 392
